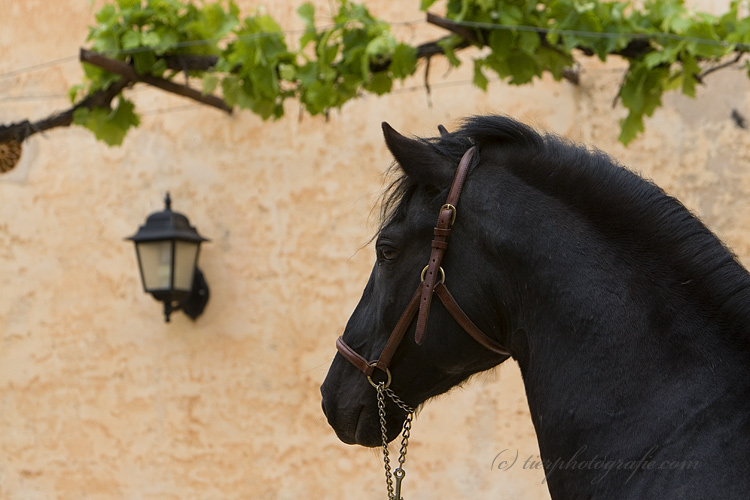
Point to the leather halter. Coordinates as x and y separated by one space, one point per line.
419 305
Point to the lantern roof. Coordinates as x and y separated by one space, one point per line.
167 225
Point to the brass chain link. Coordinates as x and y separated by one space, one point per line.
384 433
399 472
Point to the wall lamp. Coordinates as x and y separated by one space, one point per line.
167 249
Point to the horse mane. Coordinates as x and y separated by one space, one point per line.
621 205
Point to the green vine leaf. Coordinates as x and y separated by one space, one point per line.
666 44
109 125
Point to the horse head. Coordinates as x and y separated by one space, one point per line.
428 349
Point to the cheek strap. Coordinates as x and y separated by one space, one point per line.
441 233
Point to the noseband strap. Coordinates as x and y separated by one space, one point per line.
433 283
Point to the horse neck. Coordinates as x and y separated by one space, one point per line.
605 344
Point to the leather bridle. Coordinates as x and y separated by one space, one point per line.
419 305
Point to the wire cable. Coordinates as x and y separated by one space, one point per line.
37 67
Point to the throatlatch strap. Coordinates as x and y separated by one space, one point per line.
466 323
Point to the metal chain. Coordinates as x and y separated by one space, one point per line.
398 401
399 472
404 443
384 433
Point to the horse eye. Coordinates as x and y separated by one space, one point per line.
388 253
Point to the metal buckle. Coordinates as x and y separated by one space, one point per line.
450 207
442 274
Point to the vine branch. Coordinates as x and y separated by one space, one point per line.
470 37
21 131
723 65
259 71
128 72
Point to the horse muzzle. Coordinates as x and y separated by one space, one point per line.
356 420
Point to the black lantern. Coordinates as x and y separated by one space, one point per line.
167 248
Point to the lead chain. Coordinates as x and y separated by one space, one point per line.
399 472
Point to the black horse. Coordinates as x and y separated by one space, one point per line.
629 319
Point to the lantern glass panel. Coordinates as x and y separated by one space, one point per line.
186 253
156 264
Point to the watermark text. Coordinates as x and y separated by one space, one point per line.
508 459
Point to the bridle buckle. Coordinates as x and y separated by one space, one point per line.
450 207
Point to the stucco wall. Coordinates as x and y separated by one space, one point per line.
99 399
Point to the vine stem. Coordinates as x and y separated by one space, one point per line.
21 131
128 72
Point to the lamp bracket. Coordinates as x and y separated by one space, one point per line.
194 303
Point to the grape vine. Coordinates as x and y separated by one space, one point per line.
668 47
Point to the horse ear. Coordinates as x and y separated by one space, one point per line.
417 159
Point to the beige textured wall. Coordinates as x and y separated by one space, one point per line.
99 399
